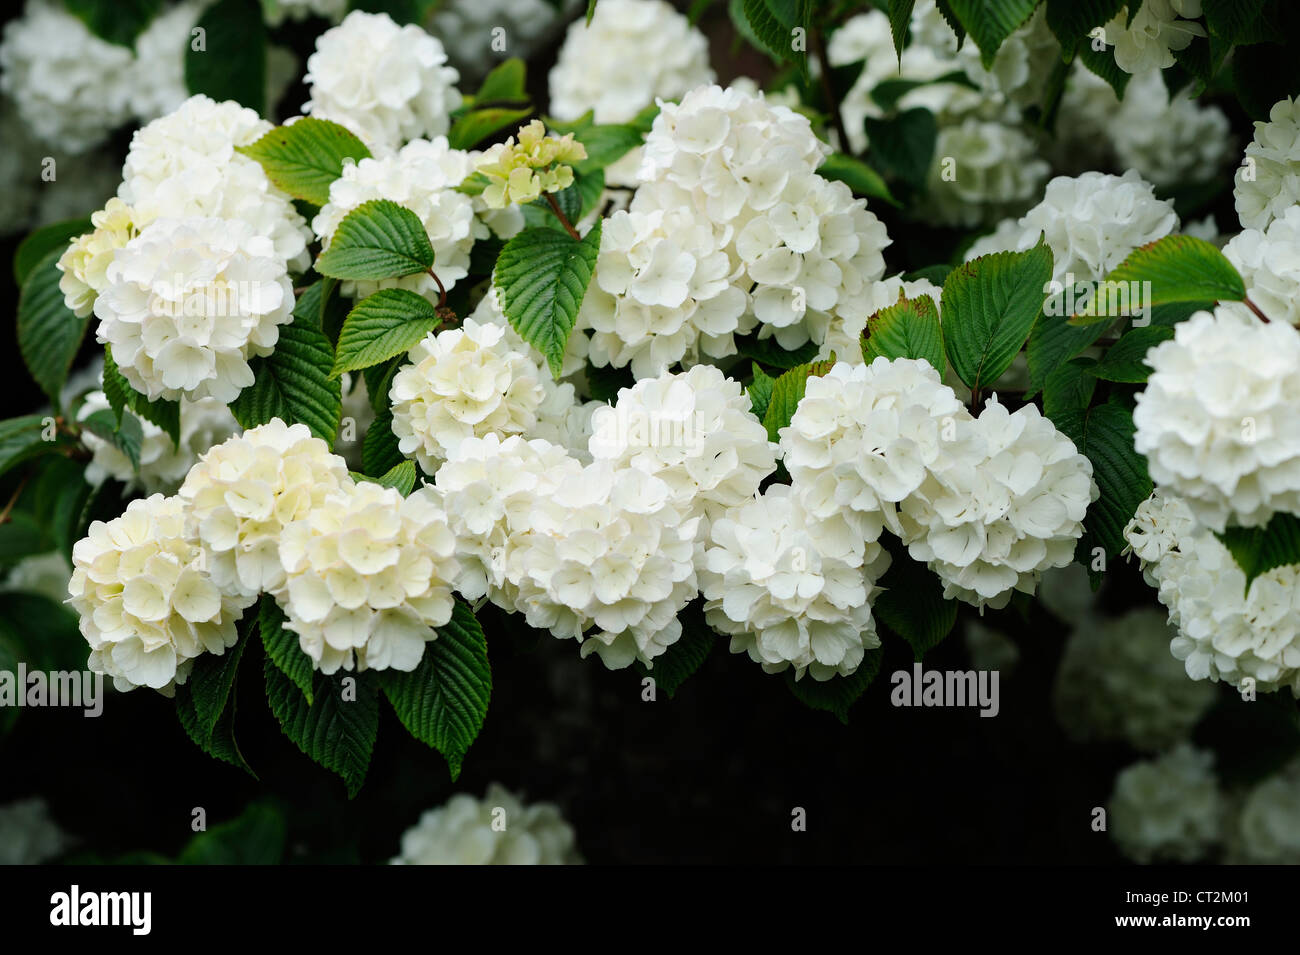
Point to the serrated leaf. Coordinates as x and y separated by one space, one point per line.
787 392
1054 341
1233 20
766 351
479 124
20 440
379 451
760 392
164 413
444 700
232 61
907 329
378 239
206 707
912 604
772 24
990 22
682 659
49 334
220 741
382 326
857 175
282 646
605 145
1106 438
1125 360
399 476
1257 550
304 157
542 276
903 145
1073 20
118 21
989 306
900 18
1102 63
1068 391
45 240
839 693
127 437
293 384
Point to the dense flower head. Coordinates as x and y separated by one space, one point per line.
592 71
1158 29
519 172
246 490
1265 828
1269 262
146 603
188 302
498 829
695 431
368 575
386 82
1169 139
1167 809
85 262
1268 182
1217 420
159 68
982 171
786 599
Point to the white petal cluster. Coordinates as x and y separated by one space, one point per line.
1265 829
468 382
592 71
1169 141
1268 182
368 573
1269 262
1217 420
163 464
71 88
1167 809
473 25
844 336
389 83
498 829
422 177
1249 638
28 835
185 164
85 262
1118 681
982 171
787 599
159 68
188 302
1091 222
1159 28
147 605
991 521
243 493
695 431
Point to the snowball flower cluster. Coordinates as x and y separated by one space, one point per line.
982 171
695 431
1217 420
1265 829
188 302
1268 182
474 25
499 829
1269 262
1168 140
387 83
592 71
28 835
1167 809
244 492
85 262
368 574
519 172
770 580
1158 30
147 605
1118 681
160 51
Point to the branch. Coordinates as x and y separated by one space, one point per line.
564 220
1255 308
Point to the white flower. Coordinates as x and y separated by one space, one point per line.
592 72
1169 141
1265 830
85 262
695 431
1149 42
499 829
995 517
163 464
1268 182
1091 222
71 88
422 177
158 84
1167 809
474 25
28 835
387 82
188 302
1118 681
245 490
185 164
769 581
1217 420
1269 261
844 335
45 574
1155 530
147 605
982 171
368 576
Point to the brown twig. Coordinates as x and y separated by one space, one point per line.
442 292
564 220
18 491
1255 308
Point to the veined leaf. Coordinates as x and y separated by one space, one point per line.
1177 268
378 239
381 326
293 383
907 329
304 157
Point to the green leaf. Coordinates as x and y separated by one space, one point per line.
20 440
1073 20
49 334
605 145
787 392
337 733
900 18
904 144
205 705
164 413
382 326
887 93
591 10
912 604
990 22
219 742
989 306
444 700
117 21
773 22
760 392
679 662
1053 342
293 384
479 124
399 476
767 352
1068 391
127 437
1102 63
1178 268
304 157
1257 550
232 63
1233 20
256 837
1124 361
507 81
908 329
282 646
377 240
857 175
839 693
542 276
1105 435
45 240
379 452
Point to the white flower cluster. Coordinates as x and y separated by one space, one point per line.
592 72
1118 681
498 829
160 60
1217 420
1249 638
1169 140
1167 809
1269 262
1158 29
477 25
1268 182
983 170
387 83
28 835
147 607
1265 828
